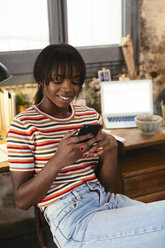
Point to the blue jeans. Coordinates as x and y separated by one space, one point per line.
89 217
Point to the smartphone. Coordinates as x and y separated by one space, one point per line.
89 128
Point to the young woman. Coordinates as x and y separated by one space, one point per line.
68 177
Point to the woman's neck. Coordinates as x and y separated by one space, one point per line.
55 112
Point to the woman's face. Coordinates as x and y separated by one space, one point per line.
60 92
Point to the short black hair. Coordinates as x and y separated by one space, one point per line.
54 56
50 59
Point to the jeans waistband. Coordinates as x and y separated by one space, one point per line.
76 192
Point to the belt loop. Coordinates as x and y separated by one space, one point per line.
89 185
76 194
97 189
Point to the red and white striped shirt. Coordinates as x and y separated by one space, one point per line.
33 139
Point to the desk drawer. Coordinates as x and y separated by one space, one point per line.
143 184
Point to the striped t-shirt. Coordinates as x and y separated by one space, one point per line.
33 139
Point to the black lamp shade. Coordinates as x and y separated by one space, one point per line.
4 73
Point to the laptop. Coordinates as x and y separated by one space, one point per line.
121 101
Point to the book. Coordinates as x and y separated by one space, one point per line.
2 110
7 108
1 120
3 153
12 105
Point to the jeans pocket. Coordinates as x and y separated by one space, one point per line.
63 218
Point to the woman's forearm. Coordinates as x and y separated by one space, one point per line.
32 189
107 169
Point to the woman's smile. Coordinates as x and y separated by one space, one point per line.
65 99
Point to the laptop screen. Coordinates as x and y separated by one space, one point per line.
126 97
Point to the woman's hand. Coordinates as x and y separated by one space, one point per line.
72 148
103 143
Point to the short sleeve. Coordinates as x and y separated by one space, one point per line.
99 118
20 147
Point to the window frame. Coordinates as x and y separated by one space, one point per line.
20 63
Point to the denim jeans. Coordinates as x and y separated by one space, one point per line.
89 217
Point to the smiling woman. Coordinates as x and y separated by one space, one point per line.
69 176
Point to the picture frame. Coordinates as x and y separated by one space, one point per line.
104 75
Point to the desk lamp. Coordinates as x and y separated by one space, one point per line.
4 75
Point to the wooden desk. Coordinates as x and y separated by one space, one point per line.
4 166
135 139
141 165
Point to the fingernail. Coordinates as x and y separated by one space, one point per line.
82 148
91 134
84 155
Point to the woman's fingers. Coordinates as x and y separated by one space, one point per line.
88 145
79 139
70 134
102 143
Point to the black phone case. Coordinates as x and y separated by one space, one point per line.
89 128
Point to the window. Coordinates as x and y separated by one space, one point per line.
56 21
87 25
23 31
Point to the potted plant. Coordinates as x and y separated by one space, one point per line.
21 102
